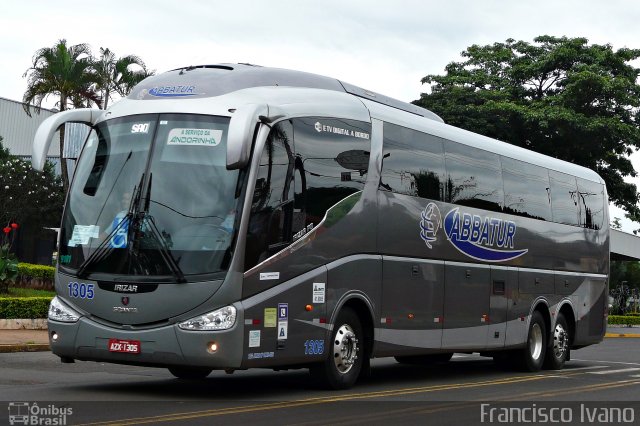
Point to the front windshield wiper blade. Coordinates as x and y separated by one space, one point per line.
143 218
164 250
103 248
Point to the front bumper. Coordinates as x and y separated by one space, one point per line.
87 340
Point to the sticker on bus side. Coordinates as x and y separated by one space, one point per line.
269 276
324 128
318 292
269 317
194 137
260 355
283 327
254 338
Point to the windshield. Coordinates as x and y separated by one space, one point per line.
151 196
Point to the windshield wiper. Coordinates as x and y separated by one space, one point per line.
103 249
143 218
163 249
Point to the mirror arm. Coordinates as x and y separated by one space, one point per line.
50 126
242 131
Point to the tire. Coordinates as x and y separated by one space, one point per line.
342 367
532 356
424 359
190 373
558 350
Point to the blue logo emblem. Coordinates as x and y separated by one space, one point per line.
430 223
172 91
476 236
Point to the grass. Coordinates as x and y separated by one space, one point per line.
28 292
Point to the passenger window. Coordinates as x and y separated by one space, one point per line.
564 198
526 189
272 206
332 162
412 163
474 177
591 203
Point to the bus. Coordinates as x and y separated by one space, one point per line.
232 216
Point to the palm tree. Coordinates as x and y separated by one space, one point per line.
67 73
115 75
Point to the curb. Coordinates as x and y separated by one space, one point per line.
24 347
23 324
625 335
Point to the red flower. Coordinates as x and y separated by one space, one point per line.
6 229
14 225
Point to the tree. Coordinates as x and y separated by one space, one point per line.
118 75
32 198
625 271
558 96
65 72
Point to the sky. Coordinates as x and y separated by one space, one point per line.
386 46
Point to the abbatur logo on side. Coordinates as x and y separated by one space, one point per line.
484 238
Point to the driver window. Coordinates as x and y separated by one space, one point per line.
272 206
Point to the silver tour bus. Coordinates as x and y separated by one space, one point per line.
227 217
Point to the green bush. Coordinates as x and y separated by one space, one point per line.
28 270
28 292
624 319
24 307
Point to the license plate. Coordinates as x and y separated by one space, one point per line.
124 346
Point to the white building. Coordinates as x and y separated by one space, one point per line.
18 129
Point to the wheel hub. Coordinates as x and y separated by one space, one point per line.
535 342
345 349
560 341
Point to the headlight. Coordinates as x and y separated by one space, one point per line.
59 311
220 319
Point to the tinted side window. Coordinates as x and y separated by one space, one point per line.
591 203
272 207
474 177
412 163
564 198
332 162
526 189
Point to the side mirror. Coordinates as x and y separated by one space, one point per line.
241 131
49 127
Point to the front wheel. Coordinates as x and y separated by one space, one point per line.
558 351
190 373
341 368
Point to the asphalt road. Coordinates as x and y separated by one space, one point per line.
600 380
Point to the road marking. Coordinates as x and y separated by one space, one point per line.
319 400
564 391
593 367
608 362
395 416
623 370
337 398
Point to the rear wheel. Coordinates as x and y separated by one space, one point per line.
532 356
190 373
424 359
341 368
558 351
